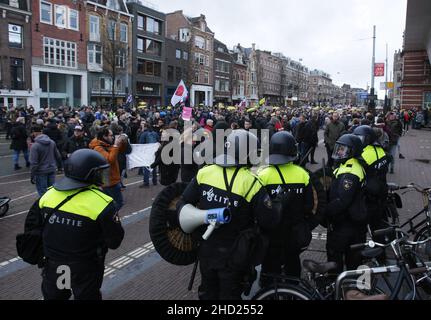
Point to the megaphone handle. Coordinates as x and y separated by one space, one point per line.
209 231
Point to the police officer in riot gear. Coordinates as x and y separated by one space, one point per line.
293 234
346 212
229 183
376 165
77 235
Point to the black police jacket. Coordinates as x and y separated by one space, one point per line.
81 230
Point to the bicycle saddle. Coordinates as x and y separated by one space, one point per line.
316 267
371 253
393 186
358 295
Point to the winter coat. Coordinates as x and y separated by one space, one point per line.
19 137
333 131
110 153
44 156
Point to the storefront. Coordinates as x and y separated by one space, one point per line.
150 93
58 87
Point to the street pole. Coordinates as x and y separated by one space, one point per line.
386 83
372 104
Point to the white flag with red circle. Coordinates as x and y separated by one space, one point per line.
180 94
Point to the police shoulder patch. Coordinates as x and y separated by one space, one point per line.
347 184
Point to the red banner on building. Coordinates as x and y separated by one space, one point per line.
379 69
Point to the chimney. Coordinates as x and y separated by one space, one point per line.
253 45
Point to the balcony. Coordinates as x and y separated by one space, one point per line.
18 85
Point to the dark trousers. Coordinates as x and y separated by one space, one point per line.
85 281
278 259
329 152
115 193
313 150
340 238
220 283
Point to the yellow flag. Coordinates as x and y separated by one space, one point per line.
262 102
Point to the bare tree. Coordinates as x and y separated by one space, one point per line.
114 55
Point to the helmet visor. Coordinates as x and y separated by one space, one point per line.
363 138
99 176
341 151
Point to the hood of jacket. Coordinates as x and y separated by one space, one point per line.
43 139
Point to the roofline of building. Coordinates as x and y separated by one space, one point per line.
110 9
13 9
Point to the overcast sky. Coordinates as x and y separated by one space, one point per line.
328 35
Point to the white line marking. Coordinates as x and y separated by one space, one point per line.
22 197
124 263
17 181
141 254
15 174
15 214
119 260
135 251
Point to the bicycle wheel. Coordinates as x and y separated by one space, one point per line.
4 209
285 292
422 254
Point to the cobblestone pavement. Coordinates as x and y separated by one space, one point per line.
135 271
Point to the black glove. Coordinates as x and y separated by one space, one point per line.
32 180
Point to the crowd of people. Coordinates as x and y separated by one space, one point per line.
360 146
73 129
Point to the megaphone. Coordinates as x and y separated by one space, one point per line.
191 218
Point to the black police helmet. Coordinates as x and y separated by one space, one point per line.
83 168
348 146
240 148
367 135
282 148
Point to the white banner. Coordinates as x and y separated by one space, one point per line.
143 155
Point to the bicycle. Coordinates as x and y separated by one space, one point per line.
319 285
420 229
407 266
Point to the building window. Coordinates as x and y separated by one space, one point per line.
95 54
120 59
119 85
105 84
197 76
206 77
200 42
170 73
140 45
178 74
209 45
152 25
140 22
217 85
94 28
60 16
185 55
123 32
15 36
178 54
45 12
17 73
153 47
111 29
59 53
73 20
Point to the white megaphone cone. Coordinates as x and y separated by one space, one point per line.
191 218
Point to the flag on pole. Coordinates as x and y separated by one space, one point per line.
180 94
129 99
243 104
262 102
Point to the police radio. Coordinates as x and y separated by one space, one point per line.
191 218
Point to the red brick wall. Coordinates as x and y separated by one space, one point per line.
52 31
416 79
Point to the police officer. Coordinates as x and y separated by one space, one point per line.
77 235
376 165
293 234
229 183
346 212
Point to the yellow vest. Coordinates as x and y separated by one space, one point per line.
88 204
245 181
292 174
351 166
